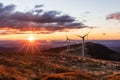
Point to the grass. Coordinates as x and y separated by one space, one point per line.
68 76
55 66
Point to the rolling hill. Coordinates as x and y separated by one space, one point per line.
60 64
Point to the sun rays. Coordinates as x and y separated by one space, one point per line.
30 45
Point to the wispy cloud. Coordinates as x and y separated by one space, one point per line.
114 16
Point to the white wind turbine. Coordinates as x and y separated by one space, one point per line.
83 42
68 42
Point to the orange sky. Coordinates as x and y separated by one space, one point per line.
95 34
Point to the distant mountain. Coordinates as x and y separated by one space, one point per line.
8 49
116 49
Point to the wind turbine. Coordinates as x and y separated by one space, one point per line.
83 42
68 42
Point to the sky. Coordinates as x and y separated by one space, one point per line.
75 16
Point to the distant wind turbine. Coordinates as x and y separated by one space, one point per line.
83 42
68 42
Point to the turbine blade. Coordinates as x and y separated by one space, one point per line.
87 34
78 35
87 37
67 37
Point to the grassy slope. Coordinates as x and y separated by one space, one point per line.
51 66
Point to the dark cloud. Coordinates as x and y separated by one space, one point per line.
38 6
1 5
38 11
72 24
37 19
115 16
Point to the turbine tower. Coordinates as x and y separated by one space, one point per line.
83 42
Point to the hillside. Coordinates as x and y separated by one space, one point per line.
61 63
52 66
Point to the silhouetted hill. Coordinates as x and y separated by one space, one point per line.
100 51
93 50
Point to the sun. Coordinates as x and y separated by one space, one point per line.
31 38
30 45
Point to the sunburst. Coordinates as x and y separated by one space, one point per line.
30 45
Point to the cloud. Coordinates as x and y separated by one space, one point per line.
38 6
104 33
36 19
9 31
114 16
